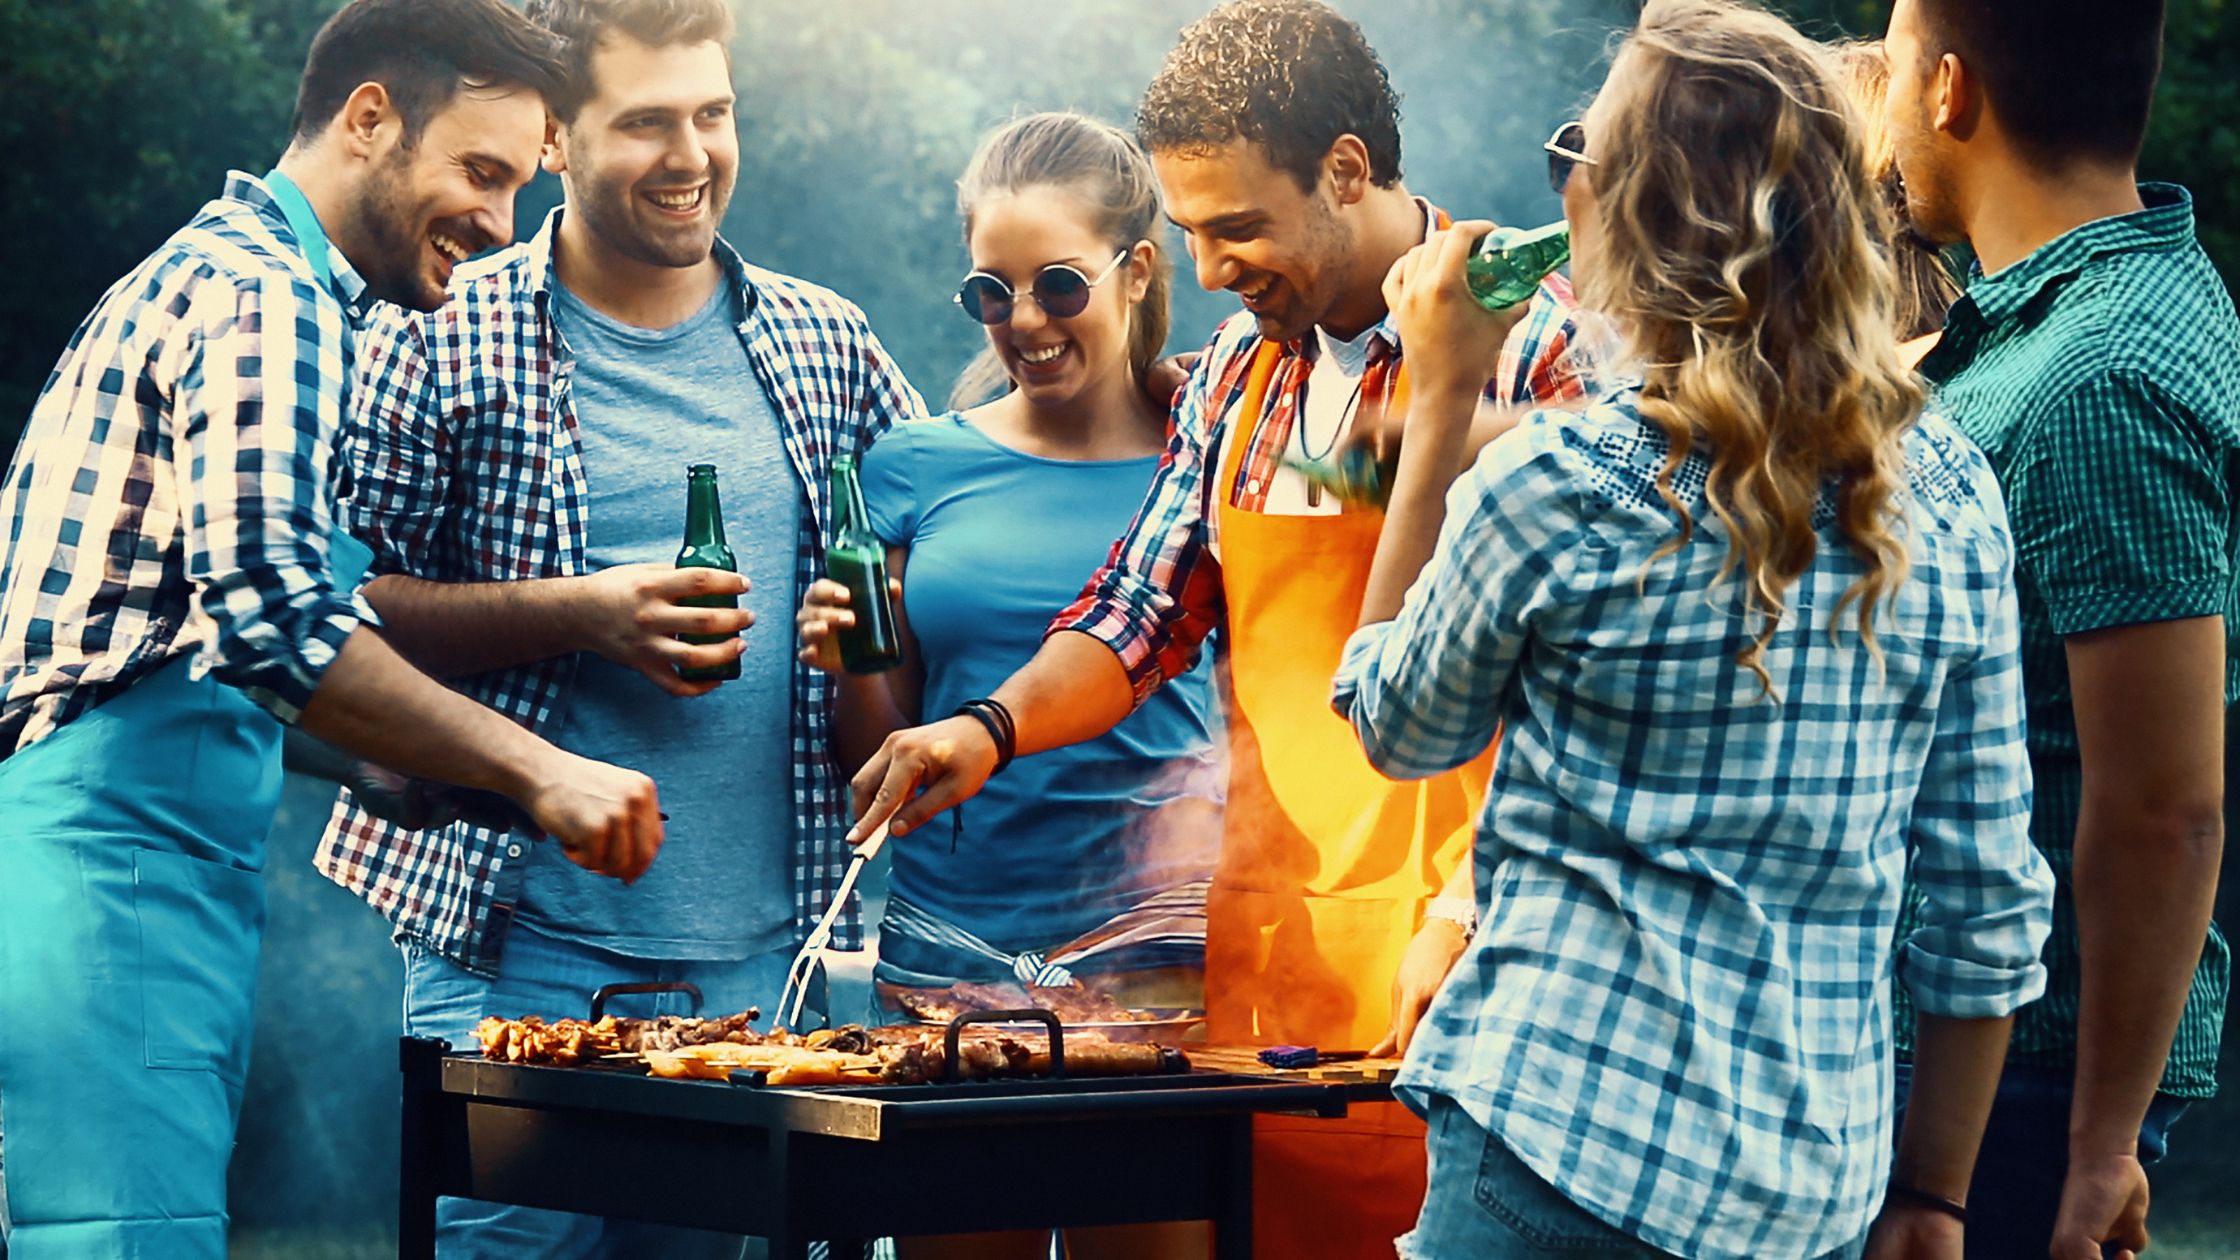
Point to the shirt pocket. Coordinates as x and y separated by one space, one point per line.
200 925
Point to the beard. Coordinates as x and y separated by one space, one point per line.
1327 251
394 266
607 207
1925 212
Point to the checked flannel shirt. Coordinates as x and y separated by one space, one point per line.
2101 376
173 491
1159 595
469 469
1677 1007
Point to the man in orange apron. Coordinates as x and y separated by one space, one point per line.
1275 137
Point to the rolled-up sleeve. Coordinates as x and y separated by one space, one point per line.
1986 892
262 384
1159 593
1423 691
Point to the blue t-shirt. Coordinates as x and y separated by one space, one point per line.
649 402
1000 541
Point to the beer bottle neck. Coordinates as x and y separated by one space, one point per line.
703 514
851 521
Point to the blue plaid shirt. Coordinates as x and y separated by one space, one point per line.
172 493
469 469
1677 1010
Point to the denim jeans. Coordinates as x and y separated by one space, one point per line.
545 976
2016 1190
1486 1204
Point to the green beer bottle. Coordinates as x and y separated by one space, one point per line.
704 548
1510 263
857 559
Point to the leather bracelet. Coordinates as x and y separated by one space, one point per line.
1934 1202
997 719
995 708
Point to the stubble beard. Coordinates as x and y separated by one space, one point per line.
606 207
392 267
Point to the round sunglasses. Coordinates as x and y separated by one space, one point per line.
1060 289
1567 149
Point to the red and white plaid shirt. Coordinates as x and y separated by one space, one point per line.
1159 595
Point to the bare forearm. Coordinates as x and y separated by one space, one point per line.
373 703
2144 889
1429 461
1956 1066
1074 689
2149 705
1493 420
1462 881
451 629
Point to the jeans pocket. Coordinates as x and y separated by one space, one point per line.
1540 1214
200 926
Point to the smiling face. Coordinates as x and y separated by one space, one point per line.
1054 360
1252 230
651 157
425 208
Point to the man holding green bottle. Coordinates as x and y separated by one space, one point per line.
521 460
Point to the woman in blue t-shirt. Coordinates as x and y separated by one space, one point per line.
1088 862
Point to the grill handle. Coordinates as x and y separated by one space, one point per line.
599 999
1031 1016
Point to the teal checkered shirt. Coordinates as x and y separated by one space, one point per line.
2101 375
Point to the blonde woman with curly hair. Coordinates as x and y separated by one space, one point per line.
1749 624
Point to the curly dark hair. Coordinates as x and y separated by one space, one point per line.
1288 75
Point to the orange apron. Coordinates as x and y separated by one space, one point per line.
1325 867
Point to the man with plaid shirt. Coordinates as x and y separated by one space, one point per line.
519 460
170 596
1341 898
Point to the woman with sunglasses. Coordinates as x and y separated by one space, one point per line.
1749 625
1086 863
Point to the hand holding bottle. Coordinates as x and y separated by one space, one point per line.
1452 342
632 614
825 612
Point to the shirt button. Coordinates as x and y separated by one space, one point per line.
513 850
1252 486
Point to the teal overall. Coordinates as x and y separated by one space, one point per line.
132 846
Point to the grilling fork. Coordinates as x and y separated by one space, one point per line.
820 936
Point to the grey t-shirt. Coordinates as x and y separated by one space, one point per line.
648 402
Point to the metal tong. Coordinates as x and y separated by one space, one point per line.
812 952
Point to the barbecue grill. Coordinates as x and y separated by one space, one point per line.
842 1164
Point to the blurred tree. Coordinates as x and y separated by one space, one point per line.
117 118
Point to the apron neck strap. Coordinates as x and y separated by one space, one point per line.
310 236
1250 415
1390 390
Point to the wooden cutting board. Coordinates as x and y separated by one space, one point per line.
1245 1061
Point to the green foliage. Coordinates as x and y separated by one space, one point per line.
118 117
